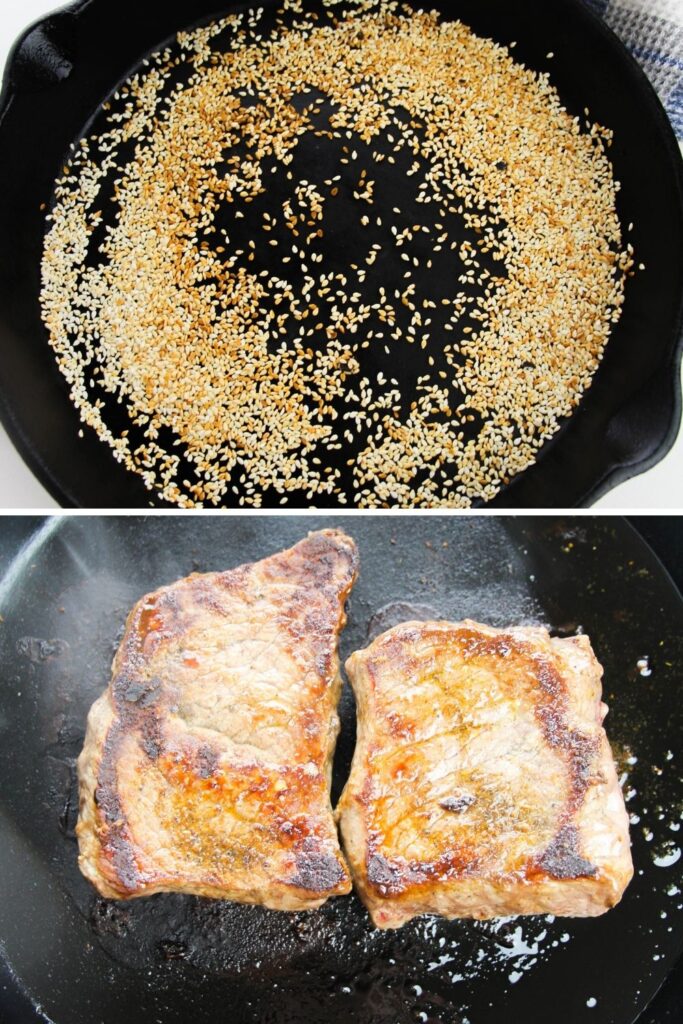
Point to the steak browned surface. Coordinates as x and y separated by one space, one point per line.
482 783
206 765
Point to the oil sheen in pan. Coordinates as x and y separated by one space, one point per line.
169 957
368 259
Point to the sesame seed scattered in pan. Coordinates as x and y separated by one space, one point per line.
231 354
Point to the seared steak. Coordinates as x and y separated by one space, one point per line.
206 765
482 783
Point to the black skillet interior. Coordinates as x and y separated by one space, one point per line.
171 958
66 66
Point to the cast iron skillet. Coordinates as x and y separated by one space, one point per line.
171 958
66 65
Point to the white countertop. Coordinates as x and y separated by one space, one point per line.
661 488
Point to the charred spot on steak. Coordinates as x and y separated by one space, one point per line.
562 859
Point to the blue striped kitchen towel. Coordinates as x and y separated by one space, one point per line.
653 32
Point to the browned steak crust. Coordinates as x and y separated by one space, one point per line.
206 765
482 782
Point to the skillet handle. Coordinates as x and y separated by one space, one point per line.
644 430
43 56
